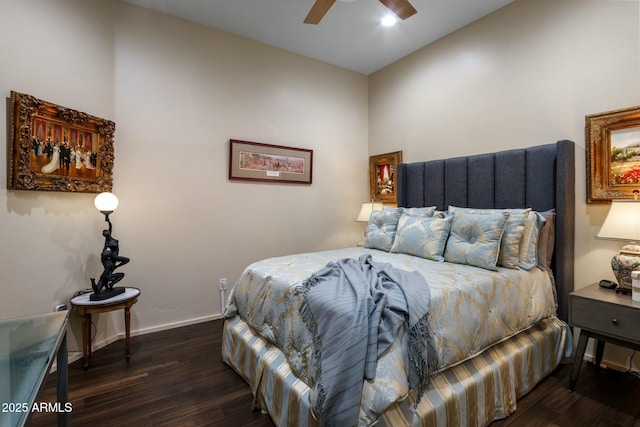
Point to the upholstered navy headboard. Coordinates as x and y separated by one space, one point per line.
540 177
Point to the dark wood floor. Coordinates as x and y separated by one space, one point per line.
174 378
177 378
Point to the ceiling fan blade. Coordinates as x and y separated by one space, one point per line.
317 12
402 8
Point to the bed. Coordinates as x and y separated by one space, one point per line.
495 318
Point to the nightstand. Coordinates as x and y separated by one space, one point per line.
606 316
85 308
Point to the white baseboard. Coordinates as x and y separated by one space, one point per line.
606 364
173 325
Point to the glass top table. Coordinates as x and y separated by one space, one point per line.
28 346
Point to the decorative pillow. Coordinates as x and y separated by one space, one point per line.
441 214
510 245
428 211
547 240
474 239
529 242
381 229
422 236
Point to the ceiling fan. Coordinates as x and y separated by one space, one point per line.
402 8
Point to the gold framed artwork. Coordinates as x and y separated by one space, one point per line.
54 148
255 161
613 155
382 176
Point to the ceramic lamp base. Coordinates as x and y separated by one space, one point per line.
623 264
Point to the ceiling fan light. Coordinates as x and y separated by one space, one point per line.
388 20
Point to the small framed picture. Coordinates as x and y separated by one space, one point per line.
382 176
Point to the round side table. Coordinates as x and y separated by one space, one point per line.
85 308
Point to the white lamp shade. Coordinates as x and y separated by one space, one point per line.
366 209
106 202
622 222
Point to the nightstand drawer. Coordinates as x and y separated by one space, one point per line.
608 319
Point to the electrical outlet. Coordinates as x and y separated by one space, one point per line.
223 284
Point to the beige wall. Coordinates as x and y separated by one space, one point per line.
62 52
525 75
177 92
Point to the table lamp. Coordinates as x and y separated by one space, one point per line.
106 203
623 223
367 208
103 289
365 213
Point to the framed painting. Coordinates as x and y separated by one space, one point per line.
382 177
53 148
254 161
613 155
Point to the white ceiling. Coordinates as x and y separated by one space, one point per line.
349 36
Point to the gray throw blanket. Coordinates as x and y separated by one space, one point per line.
354 310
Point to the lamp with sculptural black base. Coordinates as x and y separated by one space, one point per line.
103 289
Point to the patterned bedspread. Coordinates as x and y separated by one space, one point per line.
471 309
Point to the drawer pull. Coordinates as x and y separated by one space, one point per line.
614 321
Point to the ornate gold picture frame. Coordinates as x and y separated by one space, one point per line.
382 176
613 155
53 148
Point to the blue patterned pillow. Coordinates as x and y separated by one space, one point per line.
474 239
422 236
381 229
511 237
428 211
529 243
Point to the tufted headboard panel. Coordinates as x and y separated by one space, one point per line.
540 177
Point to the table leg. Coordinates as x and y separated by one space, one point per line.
89 331
85 339
577 362
127 327
599 351
63 382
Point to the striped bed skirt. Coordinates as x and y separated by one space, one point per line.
473 393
